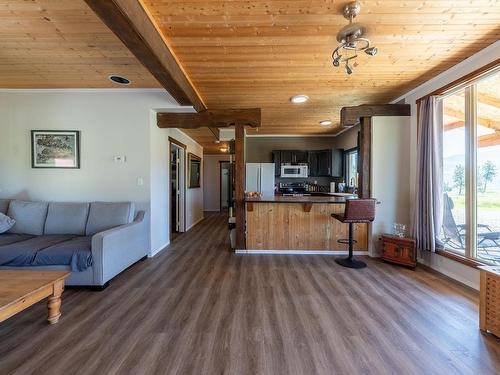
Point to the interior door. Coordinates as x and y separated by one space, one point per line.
390 175
224 185
178 193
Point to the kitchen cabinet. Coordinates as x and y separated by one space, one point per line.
300 157
286 156
337 163
292 156
324 163
313 163
277 163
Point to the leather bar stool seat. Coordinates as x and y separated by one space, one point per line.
356 211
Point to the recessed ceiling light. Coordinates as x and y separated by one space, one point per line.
298 99
118 79
325 122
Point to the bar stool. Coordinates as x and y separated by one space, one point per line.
356 211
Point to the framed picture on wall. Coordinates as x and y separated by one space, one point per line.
194 170
55 149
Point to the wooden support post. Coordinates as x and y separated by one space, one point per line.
240 186
365 145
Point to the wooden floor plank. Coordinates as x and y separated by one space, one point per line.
197 308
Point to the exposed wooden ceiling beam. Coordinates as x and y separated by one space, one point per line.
453 125
215 118
133 25
484 98
489 140
483 121
350 116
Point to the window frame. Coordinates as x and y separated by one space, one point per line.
346 164
467 83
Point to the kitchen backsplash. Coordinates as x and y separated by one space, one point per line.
321 181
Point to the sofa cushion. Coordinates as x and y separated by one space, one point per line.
4 206
5 223
107 215
9 238
66 218
29 216
75 252
22 253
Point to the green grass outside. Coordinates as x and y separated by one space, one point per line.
486 201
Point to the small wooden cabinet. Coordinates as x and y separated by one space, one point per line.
489 300
400 250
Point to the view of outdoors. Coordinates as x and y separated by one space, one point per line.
488 170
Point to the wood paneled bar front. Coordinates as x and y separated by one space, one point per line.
299 224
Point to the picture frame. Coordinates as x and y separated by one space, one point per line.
194 171
58 149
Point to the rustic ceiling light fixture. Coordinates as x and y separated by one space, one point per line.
352 40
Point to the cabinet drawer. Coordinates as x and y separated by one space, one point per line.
396 251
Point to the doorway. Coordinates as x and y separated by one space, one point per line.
177 173
226 185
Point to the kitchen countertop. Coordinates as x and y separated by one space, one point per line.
297 199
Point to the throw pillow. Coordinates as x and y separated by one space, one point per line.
6 223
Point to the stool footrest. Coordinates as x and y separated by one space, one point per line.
346 241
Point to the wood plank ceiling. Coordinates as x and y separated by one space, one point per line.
62 44
247 54
260 53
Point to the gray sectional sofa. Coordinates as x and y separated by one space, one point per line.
95 241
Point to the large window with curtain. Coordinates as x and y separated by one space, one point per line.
471 170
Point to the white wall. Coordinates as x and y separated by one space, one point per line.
211 181
160 189
389 175
111 122
446 266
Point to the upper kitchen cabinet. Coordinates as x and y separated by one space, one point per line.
300 157
337 162
277 162
326 163
313 163
292 156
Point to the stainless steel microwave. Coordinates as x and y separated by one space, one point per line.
298 171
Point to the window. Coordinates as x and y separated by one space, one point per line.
471 170
351 163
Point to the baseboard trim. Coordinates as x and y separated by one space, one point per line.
195 223
161 248
299 252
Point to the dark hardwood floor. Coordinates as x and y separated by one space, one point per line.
199 309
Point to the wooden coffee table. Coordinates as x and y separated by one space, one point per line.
21 289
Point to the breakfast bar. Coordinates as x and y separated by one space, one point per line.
299 224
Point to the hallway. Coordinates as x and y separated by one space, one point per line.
197 308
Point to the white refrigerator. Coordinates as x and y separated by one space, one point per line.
260 177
